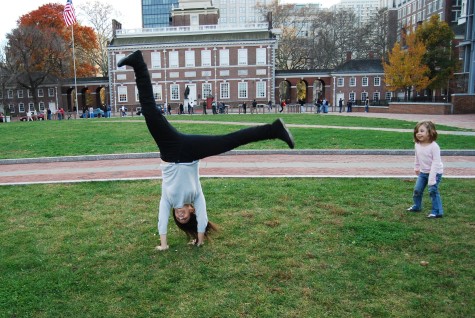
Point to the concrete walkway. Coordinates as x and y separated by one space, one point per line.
256 164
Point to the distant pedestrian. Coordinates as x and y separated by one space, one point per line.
254 107
349 106
366 105
244 107
282 105
269 105
340 104
428 168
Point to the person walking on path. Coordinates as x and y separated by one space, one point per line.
181 188
366 105
428 167
340 104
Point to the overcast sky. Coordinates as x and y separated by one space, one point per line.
128 11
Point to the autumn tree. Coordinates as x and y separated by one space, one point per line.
438 37
33 56
405 68
49 19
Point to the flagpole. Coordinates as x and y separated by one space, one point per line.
74 63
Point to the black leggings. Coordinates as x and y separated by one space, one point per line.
178 147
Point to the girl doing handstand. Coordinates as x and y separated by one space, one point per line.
181 188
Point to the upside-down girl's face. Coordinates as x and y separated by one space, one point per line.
183 214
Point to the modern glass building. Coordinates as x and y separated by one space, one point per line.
156 13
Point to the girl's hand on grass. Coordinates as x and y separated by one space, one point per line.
192 242
162 248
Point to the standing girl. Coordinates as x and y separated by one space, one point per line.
428 167
182 194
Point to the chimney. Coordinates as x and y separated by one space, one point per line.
348 55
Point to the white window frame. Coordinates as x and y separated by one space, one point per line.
224 92
351 96
41 92
242 90
174 92
21 107
364 96
242 56
41 106
261 56
157 92
340 82
29 93
19 93
51 92
190 58
206 90
352 81
261 91
377 81
206 58
156 60
173 61
224 57
31 107
122 94
10 94
388 95
12 108
376 96
364 81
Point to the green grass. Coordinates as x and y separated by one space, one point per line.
286 248
106 136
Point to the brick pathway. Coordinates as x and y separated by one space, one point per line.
276 165
292 163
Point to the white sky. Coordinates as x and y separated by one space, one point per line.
128 11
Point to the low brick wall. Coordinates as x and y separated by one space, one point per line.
421 108
409 108
463 103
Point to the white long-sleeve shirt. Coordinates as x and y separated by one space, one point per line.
181 185
428 160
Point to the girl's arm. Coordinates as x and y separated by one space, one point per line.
435 165
163 243
417 165
163 215
201 216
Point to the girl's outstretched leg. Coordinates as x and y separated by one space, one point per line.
201 146
164 134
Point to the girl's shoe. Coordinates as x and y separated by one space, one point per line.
411 209
434 216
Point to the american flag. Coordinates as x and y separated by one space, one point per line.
68 14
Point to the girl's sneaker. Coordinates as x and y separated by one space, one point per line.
412 209
434 216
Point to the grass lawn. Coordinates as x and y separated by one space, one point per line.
107 136
286 248
300 247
